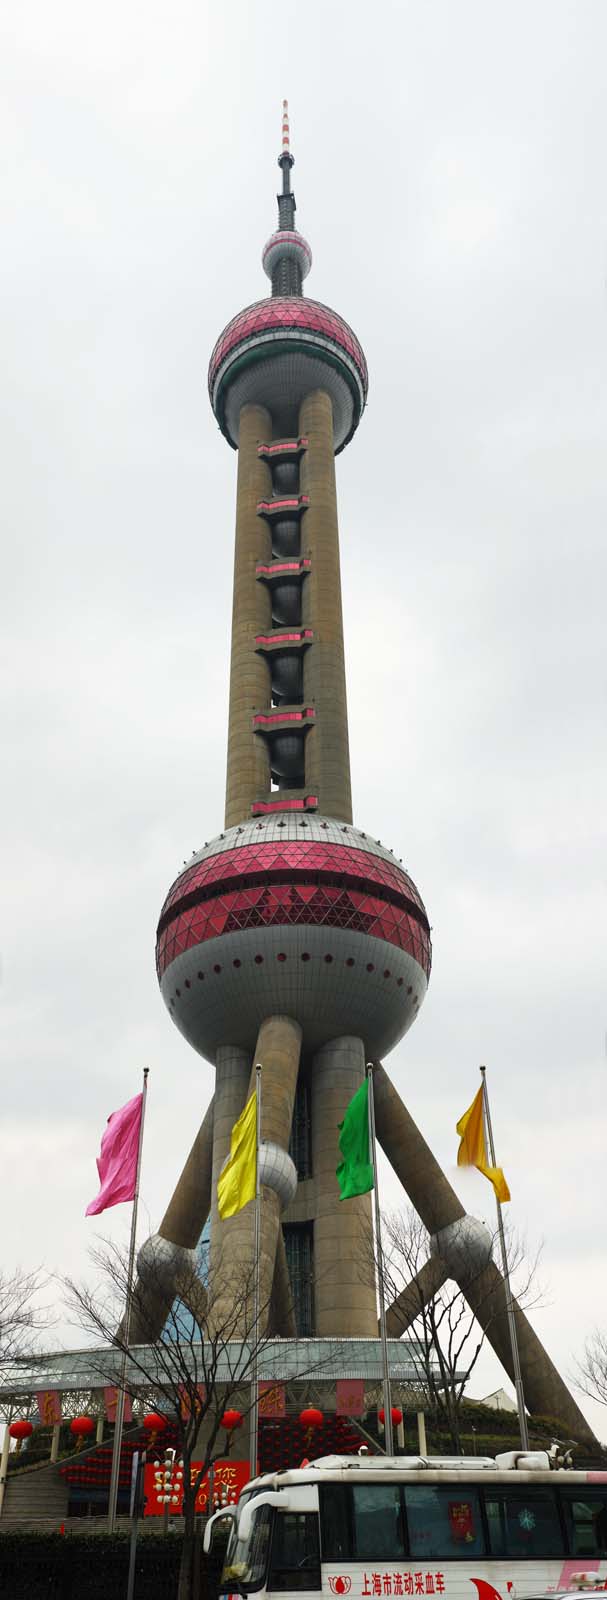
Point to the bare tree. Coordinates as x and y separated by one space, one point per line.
21 1315
445 1338
591 1370
201 1365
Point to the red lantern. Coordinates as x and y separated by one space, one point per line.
21 1430
395 1413
81 1427
154 1423
231 1419
311 1417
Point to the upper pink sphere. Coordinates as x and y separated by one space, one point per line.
277 351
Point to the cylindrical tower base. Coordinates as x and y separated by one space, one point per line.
344 1296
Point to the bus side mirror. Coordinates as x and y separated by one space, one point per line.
253 1505
224 1511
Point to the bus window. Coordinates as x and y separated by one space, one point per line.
335 1522
444 1523
295 1560
524 1526
586 1519
378 1522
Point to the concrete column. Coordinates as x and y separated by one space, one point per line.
278 1049
327 750
232 1069
427 1187
410 1302
248 764
282 1309
344 1297
189 1207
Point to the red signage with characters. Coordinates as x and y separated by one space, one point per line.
229 1478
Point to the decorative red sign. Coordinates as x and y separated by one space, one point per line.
272 1399
190 1400
350 1397
49 1407
461 1520
110 1401
229 1478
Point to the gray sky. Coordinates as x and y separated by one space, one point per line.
450 177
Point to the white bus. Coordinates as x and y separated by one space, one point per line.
459 1528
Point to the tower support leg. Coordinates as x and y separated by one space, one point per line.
438 1206
344 1296
278 1050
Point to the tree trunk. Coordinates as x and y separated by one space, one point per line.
186 1569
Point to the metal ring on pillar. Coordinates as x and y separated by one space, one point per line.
278 1172
465 1246
161 1264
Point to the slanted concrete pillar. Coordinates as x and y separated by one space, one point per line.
344 1295
248 766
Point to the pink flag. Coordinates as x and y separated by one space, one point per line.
117 1163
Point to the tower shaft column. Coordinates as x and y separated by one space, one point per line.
248 764
232 1242
344 1295
232 1071
327 750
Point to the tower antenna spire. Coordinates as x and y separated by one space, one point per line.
286 142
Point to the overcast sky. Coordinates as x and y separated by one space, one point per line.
450 176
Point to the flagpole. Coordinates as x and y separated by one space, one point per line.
119 1423
380 1270
253 1418
516 1365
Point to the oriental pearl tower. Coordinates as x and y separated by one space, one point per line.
294 938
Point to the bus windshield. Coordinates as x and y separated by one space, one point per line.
246 1561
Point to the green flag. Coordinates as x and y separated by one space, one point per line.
355 1172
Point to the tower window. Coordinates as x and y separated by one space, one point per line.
299 1245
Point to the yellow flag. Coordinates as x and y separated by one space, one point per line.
473 1150
239 1177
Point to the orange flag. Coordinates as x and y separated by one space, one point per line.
473 1150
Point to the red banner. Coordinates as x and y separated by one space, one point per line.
188 1400
272 1399
49 1407
350 1397
229 1478
461 1521
110 1401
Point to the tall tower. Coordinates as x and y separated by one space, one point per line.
295 938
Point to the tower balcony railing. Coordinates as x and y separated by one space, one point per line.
281 639
283 719
277 571
287 505
283 449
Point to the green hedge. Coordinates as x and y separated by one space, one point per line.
54 1566
65 1567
